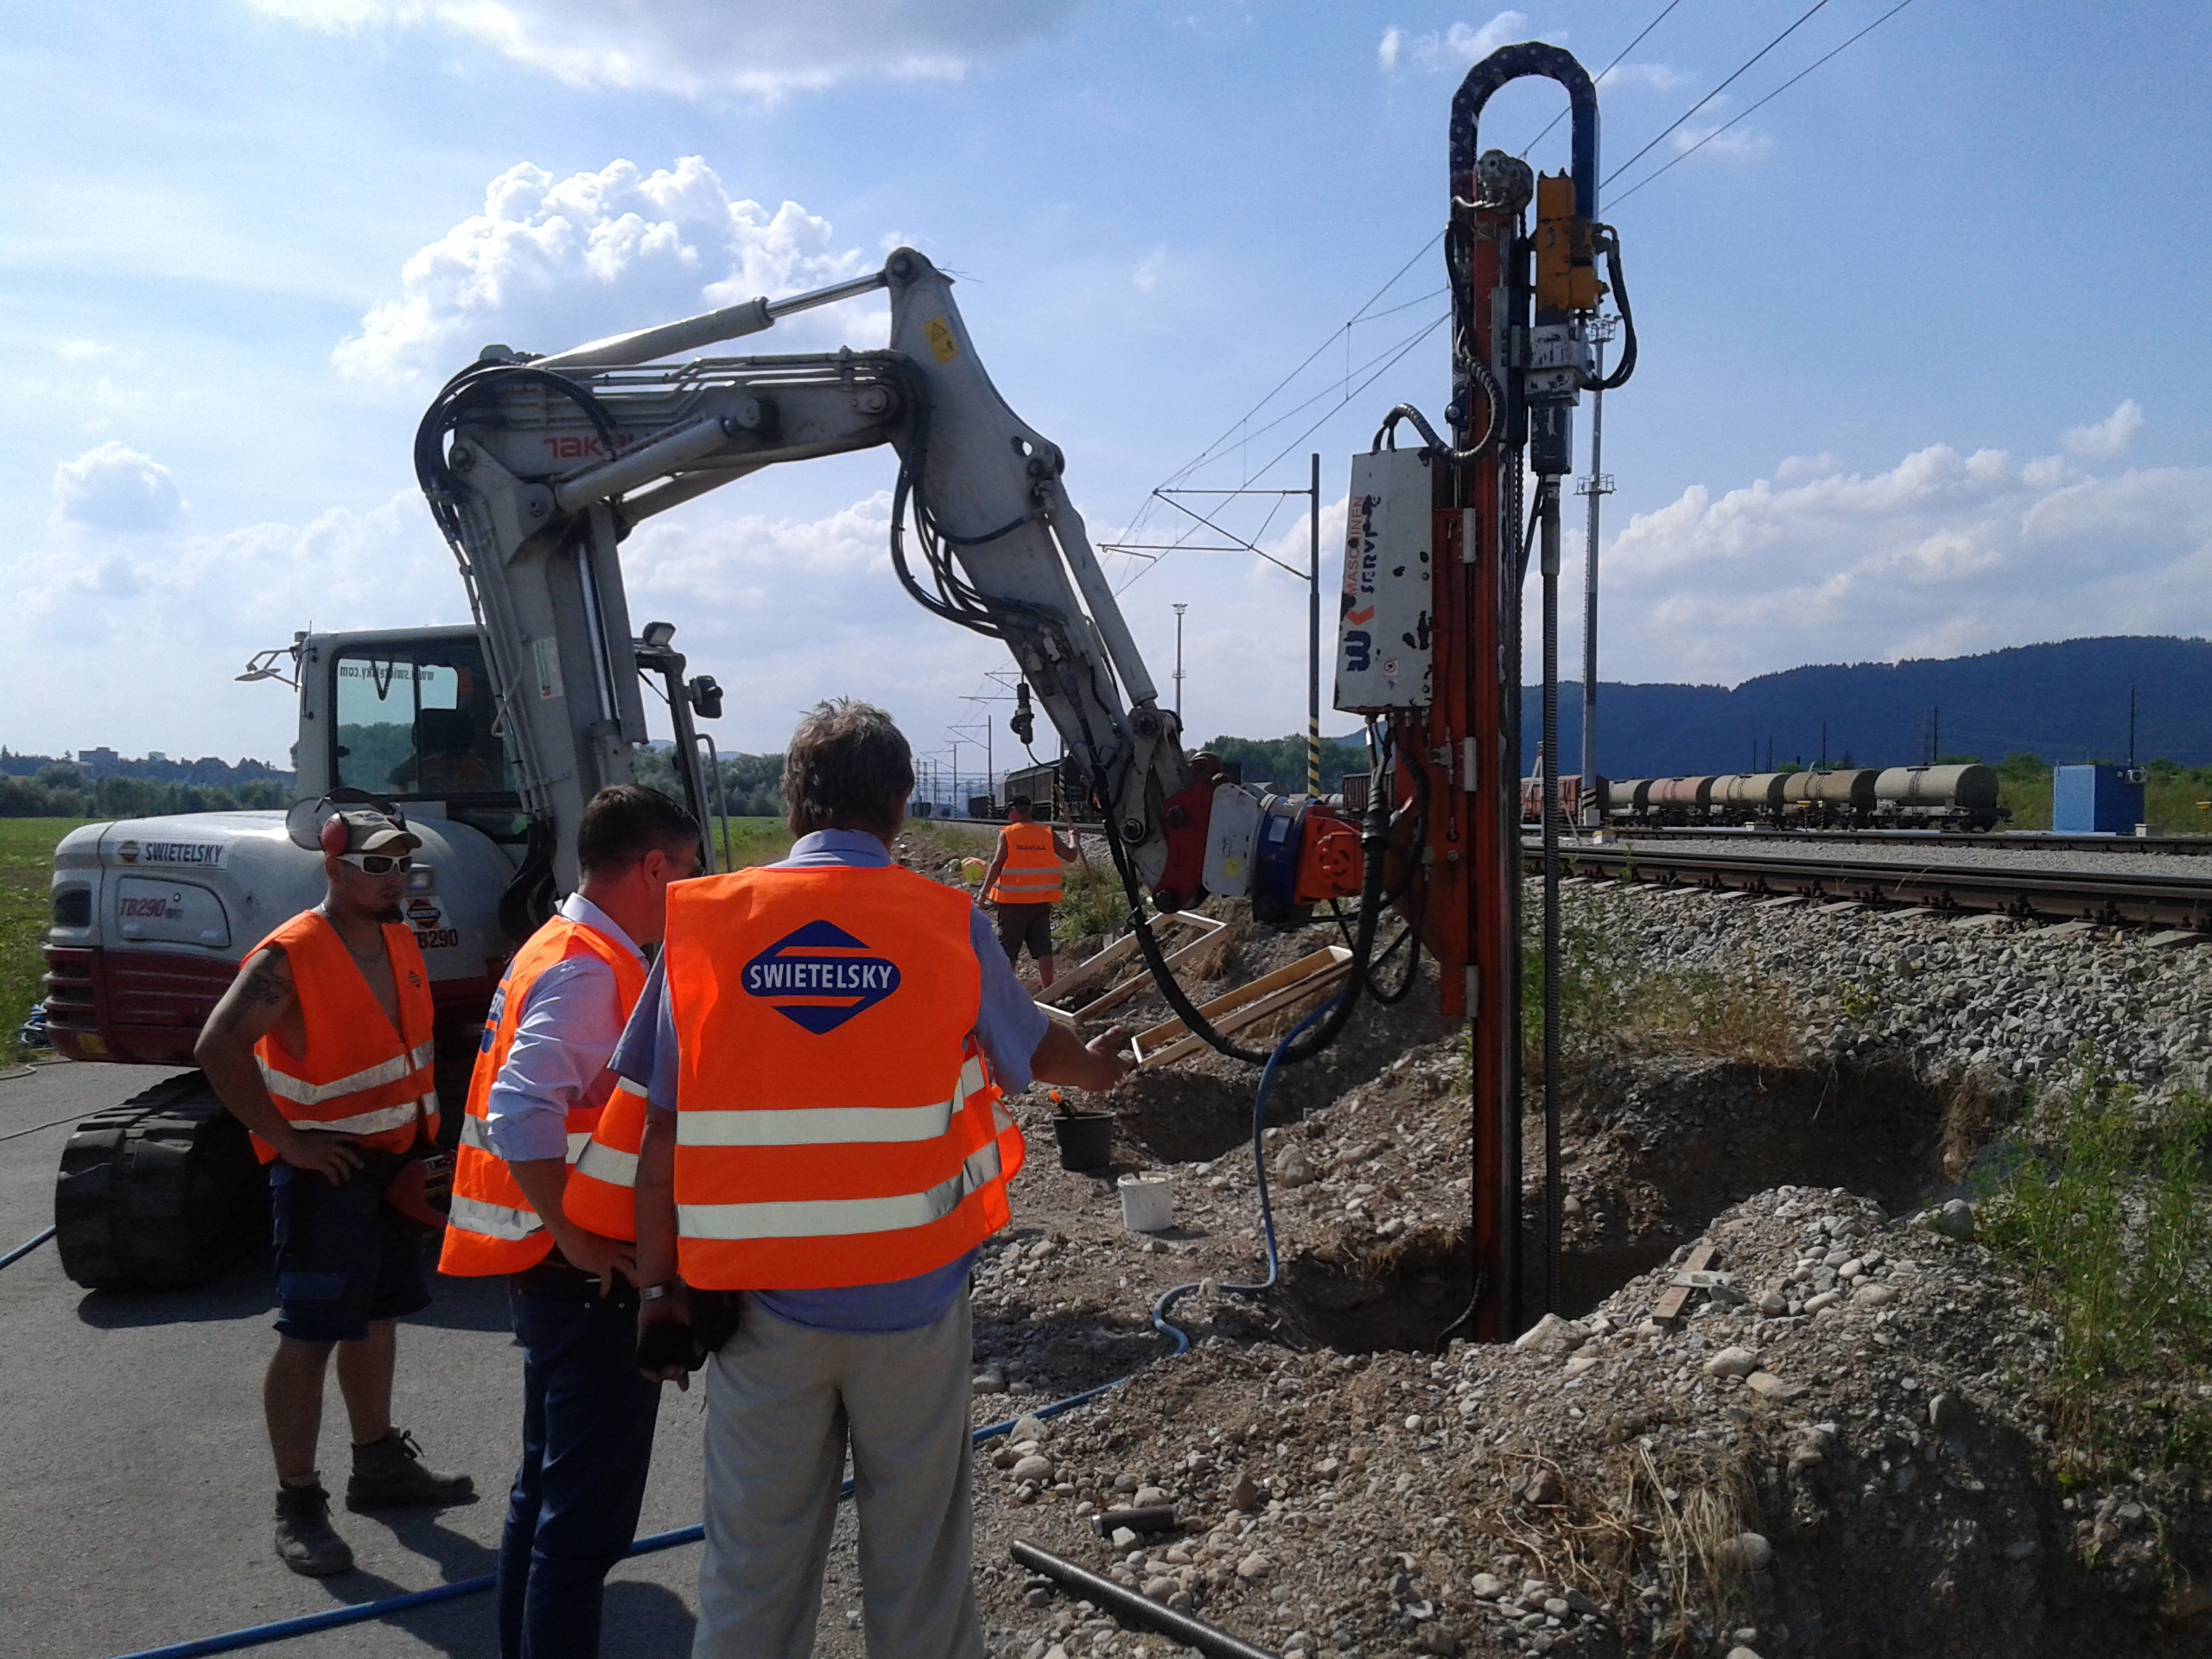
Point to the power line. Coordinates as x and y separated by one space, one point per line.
1602 73
1716 93
1776 93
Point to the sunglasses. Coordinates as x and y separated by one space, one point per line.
377 863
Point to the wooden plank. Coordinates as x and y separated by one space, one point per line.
1136 983
1113 955
1671 1299
1247 1004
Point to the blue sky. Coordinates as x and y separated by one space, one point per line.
1921 338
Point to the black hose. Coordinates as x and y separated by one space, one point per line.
1120 1599
1608 240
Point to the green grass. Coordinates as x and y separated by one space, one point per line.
751 841
2168 803
1610 1001
26 870
2112 1228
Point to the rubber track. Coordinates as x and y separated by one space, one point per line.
161 1190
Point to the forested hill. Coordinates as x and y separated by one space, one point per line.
2063 702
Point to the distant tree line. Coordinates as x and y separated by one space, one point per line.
748 781
1281 761
62 790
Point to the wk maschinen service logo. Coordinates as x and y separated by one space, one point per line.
820 976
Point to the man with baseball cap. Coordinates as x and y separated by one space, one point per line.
322 1047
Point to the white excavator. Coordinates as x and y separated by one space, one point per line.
490 739
493 738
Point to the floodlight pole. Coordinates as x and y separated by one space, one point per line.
1179 609
1597 486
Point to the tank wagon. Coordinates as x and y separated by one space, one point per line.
1861 798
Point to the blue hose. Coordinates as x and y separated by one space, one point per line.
25 1248
283 1630
1160 1309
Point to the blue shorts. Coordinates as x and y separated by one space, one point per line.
343 1256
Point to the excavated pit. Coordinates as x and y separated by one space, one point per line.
1654 1149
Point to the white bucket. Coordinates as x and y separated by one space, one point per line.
1147 1202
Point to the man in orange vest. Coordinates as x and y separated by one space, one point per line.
322 1047
822 1046
524 1206
1023 882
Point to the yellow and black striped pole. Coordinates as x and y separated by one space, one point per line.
1313 646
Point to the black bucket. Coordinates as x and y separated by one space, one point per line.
1086 1140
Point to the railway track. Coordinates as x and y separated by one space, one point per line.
2152 898
2030 841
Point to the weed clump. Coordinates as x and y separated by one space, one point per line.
1613 1000
2111 1226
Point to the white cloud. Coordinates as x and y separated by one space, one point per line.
1455 47
757 49
1941 554
550 264
1148 273
2108 439
1714 141
1659 77
115 488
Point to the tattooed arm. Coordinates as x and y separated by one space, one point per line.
260 998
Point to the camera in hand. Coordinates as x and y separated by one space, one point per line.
667 1343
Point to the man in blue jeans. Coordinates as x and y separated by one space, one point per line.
519 1209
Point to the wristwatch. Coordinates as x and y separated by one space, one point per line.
654 1293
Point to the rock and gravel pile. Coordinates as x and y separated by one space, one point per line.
2010 1001
1835 1449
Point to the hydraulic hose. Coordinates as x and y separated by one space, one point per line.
1167 1300
1373 840
1104 1592
28 1244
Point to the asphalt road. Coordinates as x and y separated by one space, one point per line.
135 1481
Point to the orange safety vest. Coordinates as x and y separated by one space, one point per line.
1031 873
357 1075
836 1123
491 1227
602 1191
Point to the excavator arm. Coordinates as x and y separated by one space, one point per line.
536 468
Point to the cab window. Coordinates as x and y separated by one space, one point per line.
415 723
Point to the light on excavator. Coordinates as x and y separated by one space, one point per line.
658 634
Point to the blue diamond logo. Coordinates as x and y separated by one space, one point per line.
819 977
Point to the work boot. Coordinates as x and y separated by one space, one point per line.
305 1541
388 1474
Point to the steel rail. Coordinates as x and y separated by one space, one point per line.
2030 841
2143 897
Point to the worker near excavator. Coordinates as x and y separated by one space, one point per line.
1022 883
322 1047
823 1046
542 1193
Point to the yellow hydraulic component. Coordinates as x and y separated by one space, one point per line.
1565 279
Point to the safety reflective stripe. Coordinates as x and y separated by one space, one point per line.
831 1217
375 1122
494 1220
578 1140
809 1126
476 1133
603 1163
1026 880
298 1090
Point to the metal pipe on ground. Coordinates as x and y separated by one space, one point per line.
1119 1598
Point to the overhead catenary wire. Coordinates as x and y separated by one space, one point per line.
1599 79
1661 135
1677 161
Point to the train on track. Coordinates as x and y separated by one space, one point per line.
1850 797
